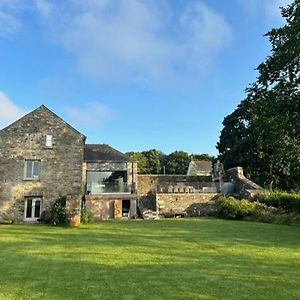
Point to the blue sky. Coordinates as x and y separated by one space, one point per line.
135 74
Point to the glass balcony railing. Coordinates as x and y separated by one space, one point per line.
108 188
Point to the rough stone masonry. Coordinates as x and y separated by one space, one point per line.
60 164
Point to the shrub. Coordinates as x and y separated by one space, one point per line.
287 219
290 202
8 219
86 216
234 209
266 217
231 208
227 208
58 213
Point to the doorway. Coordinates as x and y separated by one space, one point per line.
125 208
33 208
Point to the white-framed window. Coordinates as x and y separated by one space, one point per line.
32 209
49 141
32 169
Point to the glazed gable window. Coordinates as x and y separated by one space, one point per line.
32 169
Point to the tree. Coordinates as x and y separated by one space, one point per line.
149 162
154 158
141 160
263 133
177 162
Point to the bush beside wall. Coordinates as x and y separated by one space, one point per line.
290 202
57 214
86 216
234 209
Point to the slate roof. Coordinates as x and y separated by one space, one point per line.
36 111
103 152
200 167
203 165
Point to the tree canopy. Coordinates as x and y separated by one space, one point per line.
263 133
156 162
177 162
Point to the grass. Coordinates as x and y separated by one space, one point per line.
167 259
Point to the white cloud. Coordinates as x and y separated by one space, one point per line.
9 24
9 21
91 115
9 112
207 32
139 40
44 7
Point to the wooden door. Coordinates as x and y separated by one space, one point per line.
118 209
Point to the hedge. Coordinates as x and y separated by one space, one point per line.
290 202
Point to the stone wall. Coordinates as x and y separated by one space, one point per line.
197 204
102 207
60 165
149 185
243 186
73 205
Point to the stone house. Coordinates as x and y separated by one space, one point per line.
199 168
43 158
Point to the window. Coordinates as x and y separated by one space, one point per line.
48 140
32 169
32 209
99 182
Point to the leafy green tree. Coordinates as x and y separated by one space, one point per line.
141 160
177 162
154 161
263 133
154 158
149 162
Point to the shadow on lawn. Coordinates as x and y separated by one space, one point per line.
176 259
50 277
169 231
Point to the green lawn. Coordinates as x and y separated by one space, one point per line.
167 259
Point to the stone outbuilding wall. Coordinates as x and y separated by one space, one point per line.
60 164
108 207
171 195
149 185
243 187
73 206
193 205
152 183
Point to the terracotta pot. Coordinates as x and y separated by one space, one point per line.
75 221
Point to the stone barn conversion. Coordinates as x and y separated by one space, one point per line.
43 158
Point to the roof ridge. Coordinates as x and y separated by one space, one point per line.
50 111
94 152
